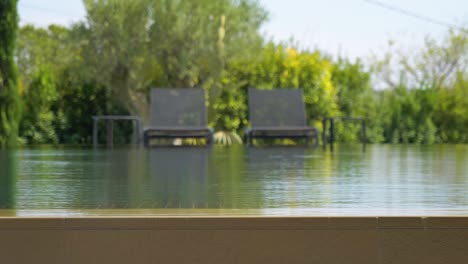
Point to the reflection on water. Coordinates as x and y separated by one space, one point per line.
7 179
385 177
178 178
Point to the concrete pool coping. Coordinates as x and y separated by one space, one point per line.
212 212
233 239
232 222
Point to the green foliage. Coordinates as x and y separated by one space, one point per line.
49 48
36 126
353 86
59 95
230 110
9 98
356 98
451 113
78 104
409 116
425 97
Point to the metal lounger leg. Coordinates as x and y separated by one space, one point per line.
110 133
95 132
145 139
209 139
316 144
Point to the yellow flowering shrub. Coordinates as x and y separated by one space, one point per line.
285 67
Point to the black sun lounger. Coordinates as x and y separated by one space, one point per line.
178 113
278 113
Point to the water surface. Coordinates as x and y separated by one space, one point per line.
385 180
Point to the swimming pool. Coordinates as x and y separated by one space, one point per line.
385 180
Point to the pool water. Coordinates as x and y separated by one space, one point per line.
385 179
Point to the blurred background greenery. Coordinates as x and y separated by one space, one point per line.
108 63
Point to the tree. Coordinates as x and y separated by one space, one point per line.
136 45
424 100
116 52
44 55
36 126
451 113
58 93
437 65
53 48
9 97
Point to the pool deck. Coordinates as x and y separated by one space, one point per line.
217 236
